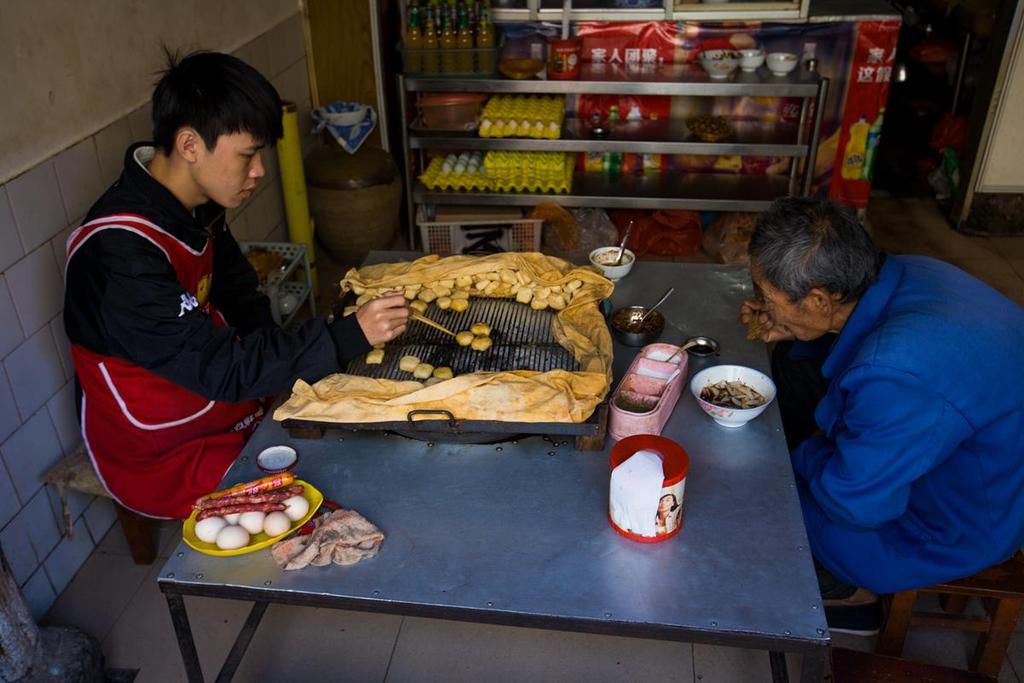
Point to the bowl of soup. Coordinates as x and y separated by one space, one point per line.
604 258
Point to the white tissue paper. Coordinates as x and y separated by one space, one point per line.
635 490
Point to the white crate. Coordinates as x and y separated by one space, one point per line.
451 237
284 281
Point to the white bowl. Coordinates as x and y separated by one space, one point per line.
750 60
613 273
347 118
732 417
781 63
719 63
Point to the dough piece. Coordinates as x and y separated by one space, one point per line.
464 281
441 291
432 381
426 295
443 302
464 338
508 276
408 363
375 357
491 288
524 295
573 284
460 294
459 305
349 310
556 301
481 329
443 372
411 292
418 306
542 293
423 370
449 283
522 278
482 285
538 304
481 343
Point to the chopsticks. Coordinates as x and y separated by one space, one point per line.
427 321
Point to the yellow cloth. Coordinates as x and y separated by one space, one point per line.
513 396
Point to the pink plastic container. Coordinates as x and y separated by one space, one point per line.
648 392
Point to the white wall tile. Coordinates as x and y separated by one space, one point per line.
59 246
293 85
29 452
239 226
279 234
38 594
69 556
34 371
269 154
60 339
9 503
78 175
37 205
287 44
37 288
9 417
10 244
11 333
111 144
99 517
64 416
141 123
259 214
257 54
30 537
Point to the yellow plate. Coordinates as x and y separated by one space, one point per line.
260 540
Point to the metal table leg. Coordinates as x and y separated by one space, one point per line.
227 672
179 617
780 673
815 667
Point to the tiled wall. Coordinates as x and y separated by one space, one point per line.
38 424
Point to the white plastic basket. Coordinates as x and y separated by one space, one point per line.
294 278
451 238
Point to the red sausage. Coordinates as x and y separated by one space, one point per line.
232 509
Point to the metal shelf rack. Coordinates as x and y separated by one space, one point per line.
690 191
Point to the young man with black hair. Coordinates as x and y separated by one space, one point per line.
174 348
897 380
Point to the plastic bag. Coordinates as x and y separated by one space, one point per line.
727 237
593 229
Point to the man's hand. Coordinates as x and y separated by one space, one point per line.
383 319
754 314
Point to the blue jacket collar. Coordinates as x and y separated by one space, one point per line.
864 318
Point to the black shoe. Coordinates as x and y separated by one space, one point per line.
856 620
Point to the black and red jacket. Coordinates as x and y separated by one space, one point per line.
173 344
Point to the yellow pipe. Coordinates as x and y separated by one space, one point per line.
293 186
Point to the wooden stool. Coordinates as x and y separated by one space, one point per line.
1001 590
851 666
76 472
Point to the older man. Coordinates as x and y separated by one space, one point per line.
899 384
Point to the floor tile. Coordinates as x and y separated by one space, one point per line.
1007 247
168 533
449 651
321 644
99 593
998 274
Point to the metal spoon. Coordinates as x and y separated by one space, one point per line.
622 247
660 302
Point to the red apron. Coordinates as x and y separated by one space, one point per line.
155 445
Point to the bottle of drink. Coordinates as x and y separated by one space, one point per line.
485 43
449 64
874 135
464 41
413 42
431 56
853 154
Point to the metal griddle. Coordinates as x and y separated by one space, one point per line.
522 340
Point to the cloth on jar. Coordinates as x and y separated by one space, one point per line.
342 537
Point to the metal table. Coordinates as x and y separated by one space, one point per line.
517 533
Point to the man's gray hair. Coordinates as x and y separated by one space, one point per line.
800 244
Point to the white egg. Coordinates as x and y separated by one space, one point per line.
276 523
207 530
252 521
232 518
296 507
232 537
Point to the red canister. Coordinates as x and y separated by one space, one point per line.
675 464
564 58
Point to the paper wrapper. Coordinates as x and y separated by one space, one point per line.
513 396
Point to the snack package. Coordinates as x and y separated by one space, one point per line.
727 237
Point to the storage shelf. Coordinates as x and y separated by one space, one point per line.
663 79
665 136
691 191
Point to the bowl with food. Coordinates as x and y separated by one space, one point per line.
604 258
632 329
732 395
719 63
781 63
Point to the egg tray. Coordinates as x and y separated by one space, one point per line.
434 178
538 117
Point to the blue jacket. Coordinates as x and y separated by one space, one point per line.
918 477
